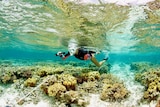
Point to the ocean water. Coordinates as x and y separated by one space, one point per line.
35 30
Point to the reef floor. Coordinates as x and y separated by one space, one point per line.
79 85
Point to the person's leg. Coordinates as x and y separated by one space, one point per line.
98 64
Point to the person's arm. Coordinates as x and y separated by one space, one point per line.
66 55
63 55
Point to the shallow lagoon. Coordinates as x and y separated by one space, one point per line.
32 32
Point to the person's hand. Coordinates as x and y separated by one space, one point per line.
58 53
61 54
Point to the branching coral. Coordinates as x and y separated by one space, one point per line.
151 81
113 88
88 76
115 92
89 87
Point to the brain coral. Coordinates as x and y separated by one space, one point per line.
68 81
56 89
31 82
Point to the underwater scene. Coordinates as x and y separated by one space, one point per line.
79 53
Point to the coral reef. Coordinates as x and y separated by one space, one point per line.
45 70
73 97
68 85
113 89
114 92
141 66
68 81
151 80
50 81
8 77
30 82
109 79
10 74
56 90
88 76
24 72
94 75
89 87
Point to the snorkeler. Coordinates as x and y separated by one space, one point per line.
83 53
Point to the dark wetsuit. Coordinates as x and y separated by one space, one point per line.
82 52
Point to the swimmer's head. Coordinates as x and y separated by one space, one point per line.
72 46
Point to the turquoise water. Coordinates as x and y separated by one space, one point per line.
36 30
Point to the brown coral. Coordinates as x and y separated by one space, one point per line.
73 97
89 87
45 70
155 5
151 81
94 75
56 90
115 92
89 76
50 80
68 81
158 103
31 82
